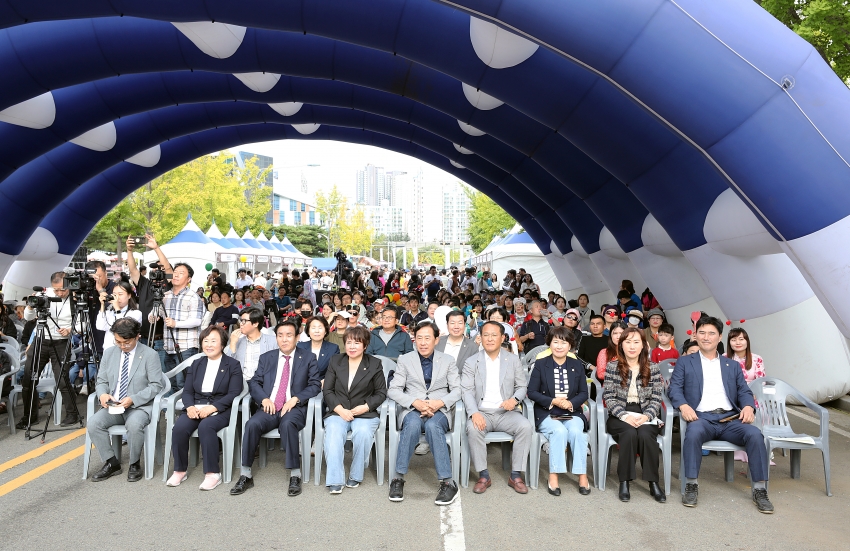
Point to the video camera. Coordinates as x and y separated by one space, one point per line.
79 280
40 301
159 280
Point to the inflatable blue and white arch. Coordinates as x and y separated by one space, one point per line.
697 148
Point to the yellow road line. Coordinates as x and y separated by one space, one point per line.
37 472
41 450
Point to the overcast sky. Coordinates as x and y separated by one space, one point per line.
339 161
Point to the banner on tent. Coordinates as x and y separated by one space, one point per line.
229 257
261 258
277 259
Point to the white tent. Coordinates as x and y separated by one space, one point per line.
514 251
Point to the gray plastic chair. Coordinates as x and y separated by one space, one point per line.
538 441
530 357
495 437
666 367
664 439
166 403
117 431
771 395
727 448
379 441
16 366
305 435
227 435
452 437
46 383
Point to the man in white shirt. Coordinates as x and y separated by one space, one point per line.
284 382
53 350
249 343
260 280
712 396
244 280
494 384
455 344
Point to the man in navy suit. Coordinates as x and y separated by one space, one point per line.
284 382
708 389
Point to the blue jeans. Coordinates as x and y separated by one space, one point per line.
559 433
159 346
172 361
362 437
89 373
435 429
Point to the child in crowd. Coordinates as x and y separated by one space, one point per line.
664 350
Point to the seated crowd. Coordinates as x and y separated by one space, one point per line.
457 338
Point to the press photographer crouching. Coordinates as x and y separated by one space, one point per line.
130 377
56 302
183 310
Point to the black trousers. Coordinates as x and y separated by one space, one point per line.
289 425
207 429
53 352
635 441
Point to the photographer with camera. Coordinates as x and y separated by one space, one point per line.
183 311
56 303
144 288
120 304
103 285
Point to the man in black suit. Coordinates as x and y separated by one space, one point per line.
284 382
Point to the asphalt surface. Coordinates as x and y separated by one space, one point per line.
60 510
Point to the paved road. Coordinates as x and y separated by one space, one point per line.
59 510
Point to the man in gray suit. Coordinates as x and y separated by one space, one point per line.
249 343
130 376
455 344
494 384
426 382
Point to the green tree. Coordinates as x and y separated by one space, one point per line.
348 228
305 238
332 207
825 24
486 220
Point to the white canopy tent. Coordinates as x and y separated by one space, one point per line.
514 251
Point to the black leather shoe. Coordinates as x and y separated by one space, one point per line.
23 423
244 483
624 494
134 472
109 469
584 491
691 495
553 491
70 421
762 501
656 492
294 486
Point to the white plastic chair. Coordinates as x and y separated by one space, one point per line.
530 357
379 441
117 431
16 366
452 437
166 403
666 367
538 441
664 439
11 346
46 383
771 395
227 435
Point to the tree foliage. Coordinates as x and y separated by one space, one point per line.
305 238
825 24
348 228
211 187
486 220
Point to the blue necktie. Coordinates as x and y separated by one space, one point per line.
125 377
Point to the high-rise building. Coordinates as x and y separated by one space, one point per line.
372 186
455 213
385 218
288 211
422 210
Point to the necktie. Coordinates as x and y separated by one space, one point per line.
280 399
125 377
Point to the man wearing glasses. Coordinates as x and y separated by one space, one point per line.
247 344
388 340
129 378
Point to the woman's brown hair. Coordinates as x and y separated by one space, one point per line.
643 358
731 353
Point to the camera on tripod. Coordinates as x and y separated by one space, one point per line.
41 302
80 281
159 280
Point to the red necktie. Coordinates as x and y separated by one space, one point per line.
280 399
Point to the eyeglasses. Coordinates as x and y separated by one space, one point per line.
125 344
389 317
243 321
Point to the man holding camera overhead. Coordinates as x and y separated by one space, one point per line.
144 289
53 350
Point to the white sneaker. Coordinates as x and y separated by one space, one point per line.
176 480
85 390
422 449
211 481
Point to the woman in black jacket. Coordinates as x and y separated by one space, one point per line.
558 388
354 389
212 382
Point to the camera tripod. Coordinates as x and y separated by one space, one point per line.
62 377
159 311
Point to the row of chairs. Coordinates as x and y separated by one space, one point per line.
770 393
46 382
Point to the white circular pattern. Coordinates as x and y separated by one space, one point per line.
37 113
306 129
287 108
147 158
732 228
457 165
469 129
218 40
497 47
656 239
102 138
462 149
479 99
258 82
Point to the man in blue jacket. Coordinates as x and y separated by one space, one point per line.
388 340
711 394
